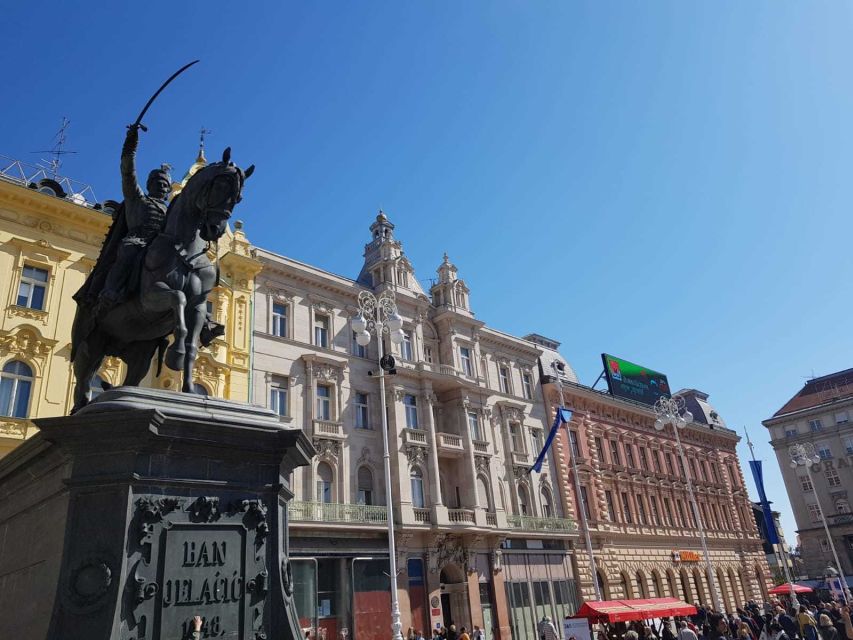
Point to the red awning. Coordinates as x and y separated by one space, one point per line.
624 610
785 588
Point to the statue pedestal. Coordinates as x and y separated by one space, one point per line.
143 510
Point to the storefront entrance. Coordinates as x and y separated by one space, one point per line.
454 597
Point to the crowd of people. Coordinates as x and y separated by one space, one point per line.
773 621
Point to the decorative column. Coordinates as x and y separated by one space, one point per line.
439 510
479 516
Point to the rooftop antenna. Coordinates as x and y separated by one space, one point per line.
57 151
749 443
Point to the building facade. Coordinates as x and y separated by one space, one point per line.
51 230
777 555
819 414
633 490
480 540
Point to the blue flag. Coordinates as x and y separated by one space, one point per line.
563 417
772 535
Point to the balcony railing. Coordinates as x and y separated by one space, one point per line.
460 516
491 519
529 523
480 446
328 429
450 442
337 512
415 436
520 457
422 516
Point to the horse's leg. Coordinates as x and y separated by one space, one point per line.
195 321
139 362
87 360
161 298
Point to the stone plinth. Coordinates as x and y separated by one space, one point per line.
144 509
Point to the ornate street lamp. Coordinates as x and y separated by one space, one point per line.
380 316
804 455
672 411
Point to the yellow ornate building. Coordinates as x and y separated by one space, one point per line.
50 235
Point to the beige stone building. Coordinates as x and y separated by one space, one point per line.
645 540
475 532
820 414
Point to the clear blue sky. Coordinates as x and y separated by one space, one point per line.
666 181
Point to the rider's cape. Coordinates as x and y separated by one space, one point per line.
88 294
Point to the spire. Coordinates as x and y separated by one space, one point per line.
384 261
200 162
449 291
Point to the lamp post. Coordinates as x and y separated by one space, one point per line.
804 455
579 499
380 315
672 411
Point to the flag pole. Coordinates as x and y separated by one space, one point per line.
578 498
782 557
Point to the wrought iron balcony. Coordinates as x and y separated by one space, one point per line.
530 523
332 512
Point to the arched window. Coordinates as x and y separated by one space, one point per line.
547 503
700 587
324 483
673 585
627 591
484 494
602 585
200 389
642 587
97 386
523 501
762 583
685 587
16 383
417 479
658 585
365 486
721 581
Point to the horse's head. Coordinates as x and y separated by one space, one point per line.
213 191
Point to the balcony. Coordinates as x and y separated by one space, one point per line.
416 437
422 516
480 446
334 512
491 519
450 443
461 516
329 429
529 523
520 457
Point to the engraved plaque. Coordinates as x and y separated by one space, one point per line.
202 572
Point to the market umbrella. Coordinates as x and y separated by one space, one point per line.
782 589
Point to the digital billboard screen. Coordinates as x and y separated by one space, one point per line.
628 380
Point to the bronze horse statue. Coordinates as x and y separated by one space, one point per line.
175 277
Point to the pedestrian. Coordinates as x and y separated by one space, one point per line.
719 627
547 630
826 628
463 634
410 634
477 634
686 633
451 632
807 623
778 632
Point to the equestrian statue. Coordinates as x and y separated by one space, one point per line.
153 275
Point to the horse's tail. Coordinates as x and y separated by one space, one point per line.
161 354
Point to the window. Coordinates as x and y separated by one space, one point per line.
614 452
791 433
653 503
321 331
823 450
815 425
324 483
848 445
832 478
504 376
200 390
641 509
523 501
585 503
629 456
417 480
806 483
599 447
824 545
644 458
357 349
841 417
279 320
324 402
410 402
406 347
16 382
474 426
611 507
365 486
814 512
428 354
668 514
278 399
32 288
517 439
682 517
361 414
465 360
528 386
538 442
626 508
674 469
573 438
547 508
